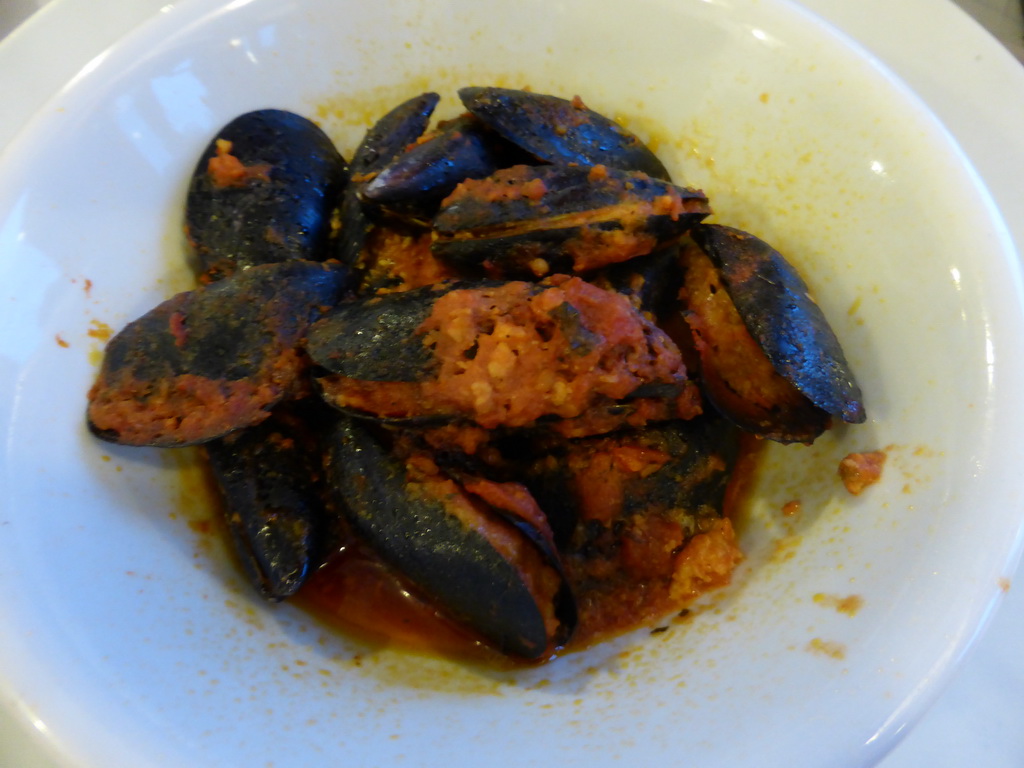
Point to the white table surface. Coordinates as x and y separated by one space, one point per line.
977 720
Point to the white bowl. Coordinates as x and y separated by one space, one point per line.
129 639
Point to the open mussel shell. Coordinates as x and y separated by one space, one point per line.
212 360
557 130
513 503
381 144
528 221
263 191
777 308
445 544
270 477
497 353
736 376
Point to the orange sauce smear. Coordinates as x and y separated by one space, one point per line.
358 595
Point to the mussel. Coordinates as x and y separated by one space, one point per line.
777 307
270 477
528 221
263 191
212 360
769 359
498 354
458 547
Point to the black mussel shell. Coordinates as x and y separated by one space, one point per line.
279 181
560 131
776 305
448 562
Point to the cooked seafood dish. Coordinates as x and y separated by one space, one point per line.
497 373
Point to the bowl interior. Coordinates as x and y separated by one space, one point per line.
138 640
